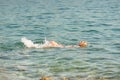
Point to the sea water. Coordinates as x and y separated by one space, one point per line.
66 22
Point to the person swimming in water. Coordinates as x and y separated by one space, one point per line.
80 44
48 44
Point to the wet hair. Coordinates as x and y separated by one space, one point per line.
82 44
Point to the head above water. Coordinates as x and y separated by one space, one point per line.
83 44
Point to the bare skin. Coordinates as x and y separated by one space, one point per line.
55 44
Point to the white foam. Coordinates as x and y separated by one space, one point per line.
30 44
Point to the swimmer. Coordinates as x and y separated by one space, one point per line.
30 44
48 44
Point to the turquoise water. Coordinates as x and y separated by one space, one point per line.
66 22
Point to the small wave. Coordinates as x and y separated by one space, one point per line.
106 24
115 29
95 31
10 46
66 8
5 47
12 26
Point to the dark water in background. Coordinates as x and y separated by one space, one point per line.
67 22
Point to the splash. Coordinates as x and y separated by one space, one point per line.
30 44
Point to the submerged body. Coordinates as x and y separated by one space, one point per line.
48 44
28 43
